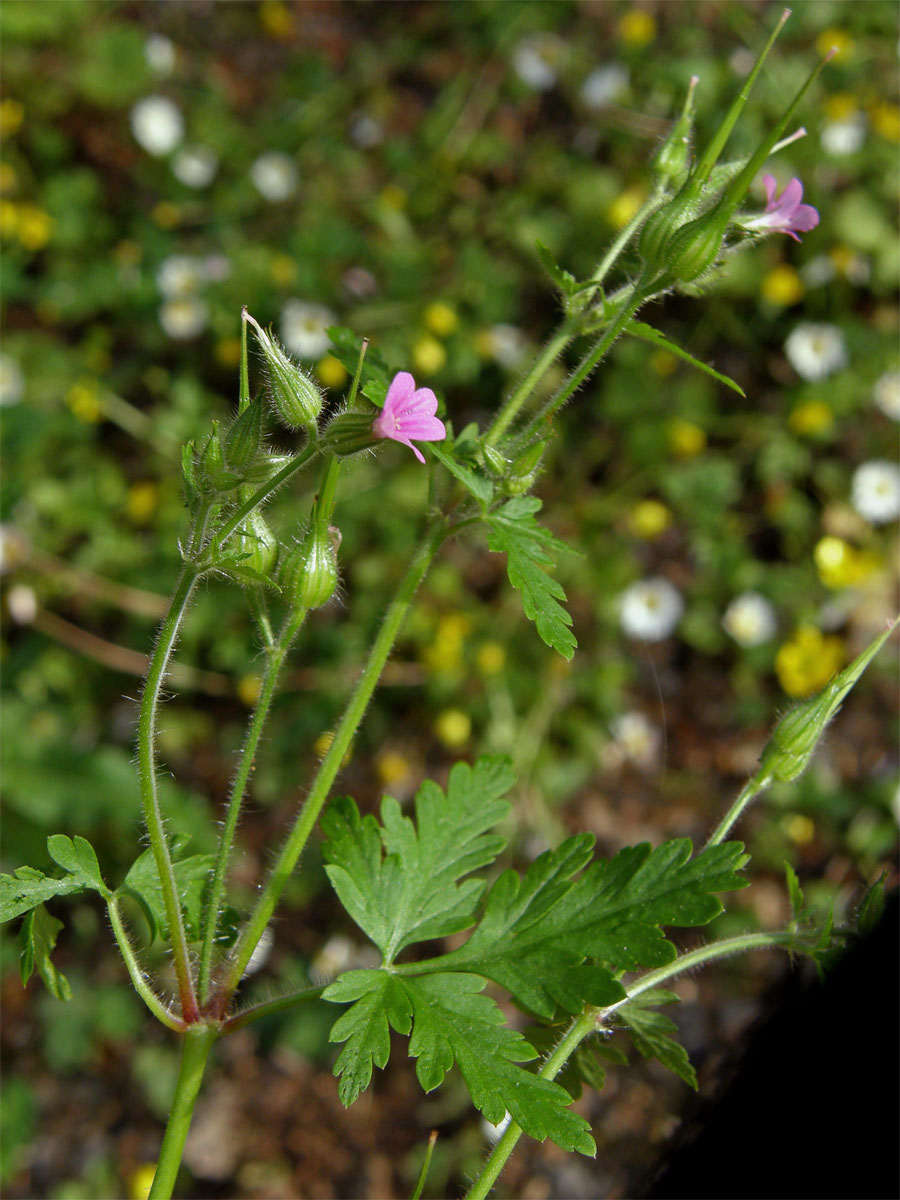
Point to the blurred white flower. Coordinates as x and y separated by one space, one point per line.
650 609
303 328
335 956
12 380
887 394
494 1133
183 317
750 619
22 603
159 52
875 491
365 131
604 84
844 137
157 124
815 351
741 62
818 271
216 267
195 166
506 344
274 175
260 955
637 739
359 283
537 59
180 275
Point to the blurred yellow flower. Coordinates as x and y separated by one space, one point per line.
165 214
141 1180
453 727
392 767
322 745
9 218
799 828
283 270
649 518
637 27
428 354
276 19
440 318
663 363
83 400
782 286
12 113
8 177
228 351
331 372
840 106
33 227
248 688
885 119
806 662
490 658
811 417
443 655
835 39
625 206
392 196
841 565
141 501
685 438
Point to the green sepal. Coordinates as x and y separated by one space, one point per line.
245 436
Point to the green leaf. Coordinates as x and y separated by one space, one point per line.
567 284
479 485
871 907
192 876
37 939
538 931
400 881
376 374
27 887
79 858
450 1022
650 1032
514 532
647 333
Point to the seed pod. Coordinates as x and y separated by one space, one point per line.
309 573
661 226
295 397
350 432
696 245
244 438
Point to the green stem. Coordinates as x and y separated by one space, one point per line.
149 797
757 784
198 1041
331 763
274 664
266 1008
639 293
594 1018
622 240
141 986
508 413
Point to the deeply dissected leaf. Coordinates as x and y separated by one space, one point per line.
192 877
450 1021
536 932
650 1031
513 531
402 881
479 485
27 887
37 939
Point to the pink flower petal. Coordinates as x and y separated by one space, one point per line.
409 413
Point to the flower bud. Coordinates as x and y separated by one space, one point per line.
659 228
350 432
244 438
257 541
295 397
495 462
694 248
309 573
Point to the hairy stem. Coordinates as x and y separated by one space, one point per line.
265 1008
319 791
198 1041
594 1018
141 986
149 795
510 410
757 784
274 663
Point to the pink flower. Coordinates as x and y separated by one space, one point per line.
785 213
409 413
